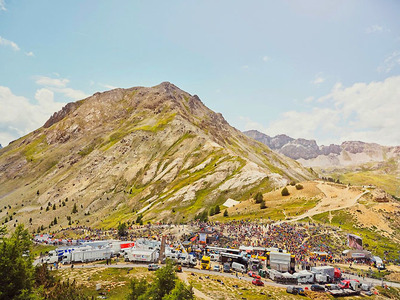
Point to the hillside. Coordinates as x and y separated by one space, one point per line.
352 162
155 151
368 212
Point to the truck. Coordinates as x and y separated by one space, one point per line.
52 257
350 287
281 261
189 261
87 255
323 274
205 263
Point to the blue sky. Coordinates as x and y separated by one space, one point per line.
324 70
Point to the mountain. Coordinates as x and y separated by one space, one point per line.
352 161
155 151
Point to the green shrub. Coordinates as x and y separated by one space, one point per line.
299 186
285 192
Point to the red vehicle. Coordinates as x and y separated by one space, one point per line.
258 282
252 274
346 284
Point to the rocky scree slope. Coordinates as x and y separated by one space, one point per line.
157 151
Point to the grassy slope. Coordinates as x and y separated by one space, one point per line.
377 244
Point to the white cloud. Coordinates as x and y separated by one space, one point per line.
30 53
265 58
59 85
71 93
108 86
245 67
318 79
20 116
364 111
2 5
376 29
47 81
390 62
8 43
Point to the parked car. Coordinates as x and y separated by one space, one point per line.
317 288
257 282
216 268
332 287
153 267
295 290
252 274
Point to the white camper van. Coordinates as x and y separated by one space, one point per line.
238 267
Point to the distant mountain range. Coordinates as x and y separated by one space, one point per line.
311 154
348 161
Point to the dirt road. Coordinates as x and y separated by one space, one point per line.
334 198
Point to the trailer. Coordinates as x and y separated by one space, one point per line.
281 261
304 277
323 274
86 255
141 255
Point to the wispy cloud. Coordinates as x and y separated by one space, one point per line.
48 81
318 79
59 85
108 86
2 5
30 53
8 43
376 29
390 62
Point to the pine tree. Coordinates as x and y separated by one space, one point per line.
225 213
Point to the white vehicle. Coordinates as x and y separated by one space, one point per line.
216 268
214 257
304 277
86 255
52 257
281 261
239 267
378 263
328 271
139 255
189 261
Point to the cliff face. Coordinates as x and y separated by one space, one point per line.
155 151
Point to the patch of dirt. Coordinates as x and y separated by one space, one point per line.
369 218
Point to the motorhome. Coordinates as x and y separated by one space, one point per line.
239 267
141 255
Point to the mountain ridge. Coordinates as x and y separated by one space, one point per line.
156 151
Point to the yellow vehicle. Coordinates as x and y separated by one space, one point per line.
205 263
